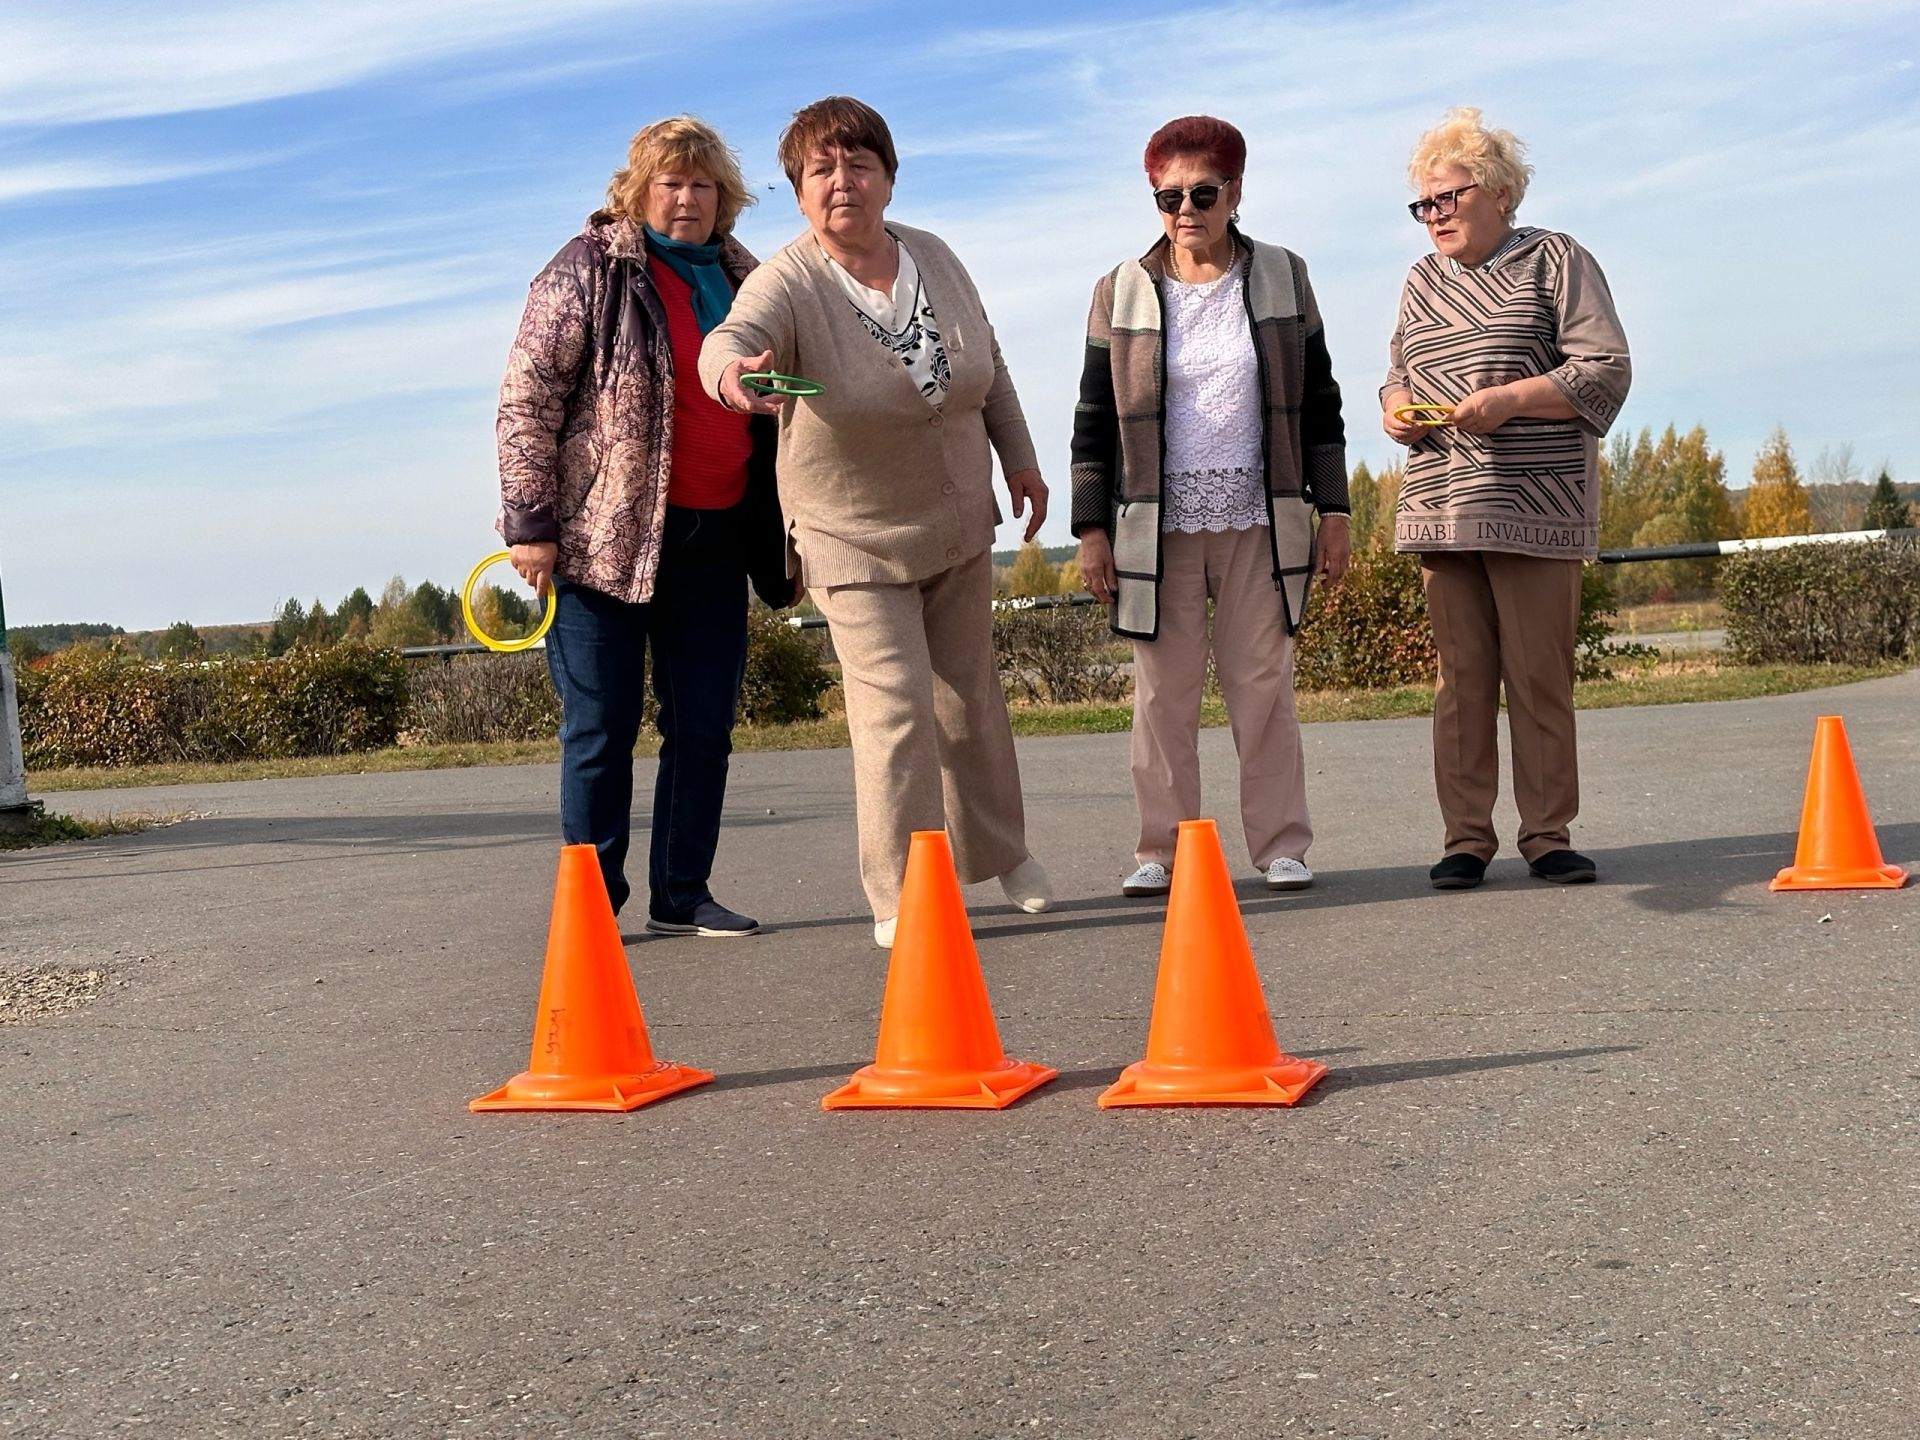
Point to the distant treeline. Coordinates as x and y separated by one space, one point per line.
1663 490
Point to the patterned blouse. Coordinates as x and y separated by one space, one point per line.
903 322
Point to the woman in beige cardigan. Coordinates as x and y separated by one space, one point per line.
885 479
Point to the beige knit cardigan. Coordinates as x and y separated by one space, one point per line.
877 484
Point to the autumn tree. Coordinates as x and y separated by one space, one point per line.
1776 501
356 607
1885 509
1033 573
289 622
182 642
1363 497
396 623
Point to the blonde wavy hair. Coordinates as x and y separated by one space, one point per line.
681 143
1495 158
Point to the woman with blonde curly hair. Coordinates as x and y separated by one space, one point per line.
645 505
1510 331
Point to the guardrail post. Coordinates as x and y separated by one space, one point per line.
16 811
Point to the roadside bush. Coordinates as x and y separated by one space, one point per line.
481 698
484 698
1594 650
104 707
1851 603
784 679
1369 632
1061 655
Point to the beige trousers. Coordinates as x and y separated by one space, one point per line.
1254 657
1504 619
932 746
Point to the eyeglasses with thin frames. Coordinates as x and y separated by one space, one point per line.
1205 197
1445 205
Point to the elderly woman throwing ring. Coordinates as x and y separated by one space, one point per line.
885 478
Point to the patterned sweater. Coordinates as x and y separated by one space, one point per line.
1532 486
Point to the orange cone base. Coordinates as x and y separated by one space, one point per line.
528 1091
872 1088
1870 877
1149 1084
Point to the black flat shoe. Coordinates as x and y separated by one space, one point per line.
1458 872
1564 867
709 919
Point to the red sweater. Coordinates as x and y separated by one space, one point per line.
711 443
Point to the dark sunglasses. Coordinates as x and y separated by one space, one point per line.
1445 204
1205 197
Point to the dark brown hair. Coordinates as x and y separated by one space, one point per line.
1215 141
838 122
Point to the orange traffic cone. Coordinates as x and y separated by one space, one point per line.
590 1048
1838 849
1211 1041
939 1047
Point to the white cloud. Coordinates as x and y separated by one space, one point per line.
68 63
63 177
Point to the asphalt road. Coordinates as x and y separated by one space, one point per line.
1638 1159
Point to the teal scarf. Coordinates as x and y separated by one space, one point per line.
699 266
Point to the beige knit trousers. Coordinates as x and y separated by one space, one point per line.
1254 657
932 746
1504 619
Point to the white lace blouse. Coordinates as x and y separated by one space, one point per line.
1214 477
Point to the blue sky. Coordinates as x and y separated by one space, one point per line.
260 261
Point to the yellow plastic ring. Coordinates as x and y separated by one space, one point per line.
1417 414
504 647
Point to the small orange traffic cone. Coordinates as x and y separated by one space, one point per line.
939 1047
1211 1041
590 1048
1838 849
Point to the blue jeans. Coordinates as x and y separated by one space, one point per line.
696 627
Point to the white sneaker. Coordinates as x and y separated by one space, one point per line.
1286 873
1028 887
1152 878
883 931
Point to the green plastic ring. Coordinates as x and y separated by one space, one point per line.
772 382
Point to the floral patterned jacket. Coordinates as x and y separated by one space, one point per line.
585 428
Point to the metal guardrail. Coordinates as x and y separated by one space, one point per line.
1698 550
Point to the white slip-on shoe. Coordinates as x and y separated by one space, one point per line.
1152 878
883 931
1286 873
1027 886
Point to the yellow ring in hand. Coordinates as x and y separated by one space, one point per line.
1417 414
504 647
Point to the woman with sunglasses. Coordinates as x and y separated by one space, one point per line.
1509 349
1207 436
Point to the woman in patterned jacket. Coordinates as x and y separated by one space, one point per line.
1512 329
646 505
1207 436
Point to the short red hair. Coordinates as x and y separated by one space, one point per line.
1215 141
